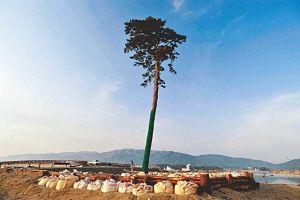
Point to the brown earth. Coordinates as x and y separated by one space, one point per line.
22 185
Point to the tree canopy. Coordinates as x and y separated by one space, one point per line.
151 43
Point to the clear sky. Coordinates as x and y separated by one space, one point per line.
66 85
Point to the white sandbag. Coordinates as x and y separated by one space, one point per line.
75 185
43 181
52 182
81 184
66 181
125 174
109 186
65 172
125 187
235 174
189 174
155 174
143 188
141 174
175 176
216 175
95 185
163 187
185 188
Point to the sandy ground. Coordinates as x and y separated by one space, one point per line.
22 185
290 172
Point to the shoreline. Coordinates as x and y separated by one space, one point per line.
286 172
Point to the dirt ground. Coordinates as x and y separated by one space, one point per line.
22 185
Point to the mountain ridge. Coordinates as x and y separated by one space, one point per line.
158 157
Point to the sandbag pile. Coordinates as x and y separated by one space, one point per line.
139 183
111 185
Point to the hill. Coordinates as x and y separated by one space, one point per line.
293 164
158 157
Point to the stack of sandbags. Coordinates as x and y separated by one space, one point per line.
141 189
81 184
163 187
125 187
43 181
52 182
109 186
66 181
95 185
185 188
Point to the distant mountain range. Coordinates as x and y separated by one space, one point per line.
158 157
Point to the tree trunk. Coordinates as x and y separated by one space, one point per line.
151 121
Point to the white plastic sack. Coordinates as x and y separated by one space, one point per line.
175 175
65 172
43 181
143 188
163 187
81 184
141 174
125 174
214 175
109 186
95 185
125 187
185 188
52 182
66 181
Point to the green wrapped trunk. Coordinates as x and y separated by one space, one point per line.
147 151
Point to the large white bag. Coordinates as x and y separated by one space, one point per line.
52 182
43 181
95 185
143 188
66 181
185 188
109 186
81 184
163 187
125 187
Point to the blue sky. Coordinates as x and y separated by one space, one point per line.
66 85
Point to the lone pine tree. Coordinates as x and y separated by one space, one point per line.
152 45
